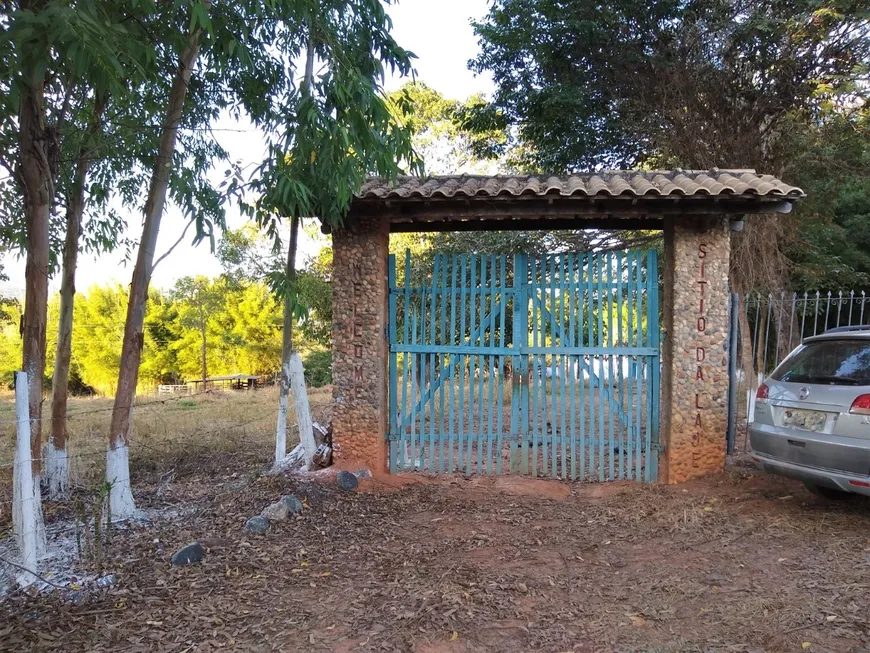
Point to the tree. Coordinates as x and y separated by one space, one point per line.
696 84
197 300
441 136
57 465
61 62
337 129
117 457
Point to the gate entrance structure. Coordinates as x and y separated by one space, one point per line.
695 210
542 365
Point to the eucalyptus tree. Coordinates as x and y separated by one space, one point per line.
322 140
60 61
329 132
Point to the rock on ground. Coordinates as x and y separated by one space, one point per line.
193 552
293 504
257 525
347 481
277 511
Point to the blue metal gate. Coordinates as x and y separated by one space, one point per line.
544 365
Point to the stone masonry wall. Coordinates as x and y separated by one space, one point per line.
359 348
695 374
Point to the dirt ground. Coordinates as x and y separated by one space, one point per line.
741 562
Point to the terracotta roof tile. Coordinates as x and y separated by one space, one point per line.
613 183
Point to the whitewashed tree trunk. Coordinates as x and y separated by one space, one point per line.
117 466
286 345
283 403
26 498
303 411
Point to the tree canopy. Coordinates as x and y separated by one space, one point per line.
698 84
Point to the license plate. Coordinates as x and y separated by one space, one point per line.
807 420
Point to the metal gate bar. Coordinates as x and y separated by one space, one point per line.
576 336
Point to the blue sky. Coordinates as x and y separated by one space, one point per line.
437 31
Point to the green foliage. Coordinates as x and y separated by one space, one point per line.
698 84
242 328
443 135
778 86
318 368
331 133
10 340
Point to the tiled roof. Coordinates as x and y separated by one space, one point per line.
631 183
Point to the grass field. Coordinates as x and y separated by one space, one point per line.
176 435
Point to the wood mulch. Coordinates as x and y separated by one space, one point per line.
740 562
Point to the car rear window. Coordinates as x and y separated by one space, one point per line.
831 362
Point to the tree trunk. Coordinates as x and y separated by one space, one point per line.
56 461
287 344
117 457
37 146
290 297
204 348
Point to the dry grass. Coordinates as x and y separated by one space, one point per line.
176 435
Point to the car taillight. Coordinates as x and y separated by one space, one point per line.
761 393
861 405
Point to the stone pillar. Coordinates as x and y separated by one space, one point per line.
359 347
694 402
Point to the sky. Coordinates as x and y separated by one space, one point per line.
439 32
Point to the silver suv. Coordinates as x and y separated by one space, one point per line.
812 415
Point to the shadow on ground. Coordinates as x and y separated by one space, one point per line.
740 562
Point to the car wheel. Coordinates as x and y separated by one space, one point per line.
832 494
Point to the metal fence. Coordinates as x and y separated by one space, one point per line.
766 327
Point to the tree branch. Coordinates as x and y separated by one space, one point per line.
174 245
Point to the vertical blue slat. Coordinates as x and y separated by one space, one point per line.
564 363
454 361
460 452
632 317
638 419
600 303
583 267
620 365
493 277
553 397
414 374
611 344
521 362
536 332
430 367
442 340
515 367
481 362
593 379
394 428
407 369
472 317
652 448
572 367
502 302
